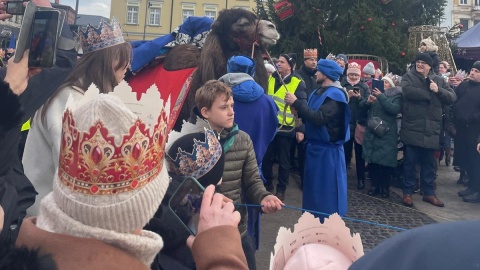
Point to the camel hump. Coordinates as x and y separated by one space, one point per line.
182 57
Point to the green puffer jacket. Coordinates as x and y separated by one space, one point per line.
240 176
422 109
383 150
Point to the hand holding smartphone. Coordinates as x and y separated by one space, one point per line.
186 202
40 30
379 85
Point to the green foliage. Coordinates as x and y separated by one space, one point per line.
352 26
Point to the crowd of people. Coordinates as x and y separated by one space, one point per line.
98 178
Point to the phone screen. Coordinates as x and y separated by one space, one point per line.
43 39
185 203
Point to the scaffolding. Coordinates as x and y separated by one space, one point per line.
438 35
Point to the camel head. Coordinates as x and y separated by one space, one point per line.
267 33
243 29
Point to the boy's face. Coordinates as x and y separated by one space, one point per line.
221 114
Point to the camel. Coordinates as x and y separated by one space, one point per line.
234 32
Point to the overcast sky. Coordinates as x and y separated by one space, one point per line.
90 7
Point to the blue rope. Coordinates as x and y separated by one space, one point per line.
327 215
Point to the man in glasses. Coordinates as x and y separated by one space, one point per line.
424 94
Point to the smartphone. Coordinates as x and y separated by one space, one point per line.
185 203
378 84
356 90
43 39
427 79
15 8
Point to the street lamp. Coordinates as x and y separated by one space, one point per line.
76 12
147 5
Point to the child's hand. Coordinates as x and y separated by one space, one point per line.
271 204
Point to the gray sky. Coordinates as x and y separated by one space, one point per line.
90 7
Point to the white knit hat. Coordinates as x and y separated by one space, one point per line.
111 171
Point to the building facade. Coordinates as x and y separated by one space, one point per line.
466 12
149 19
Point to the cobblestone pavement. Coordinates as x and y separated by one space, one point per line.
360 206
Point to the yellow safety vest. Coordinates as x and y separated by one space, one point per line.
279 98
26 125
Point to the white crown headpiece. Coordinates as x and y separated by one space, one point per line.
106 35
92 162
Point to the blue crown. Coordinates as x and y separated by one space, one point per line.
200 161
106 35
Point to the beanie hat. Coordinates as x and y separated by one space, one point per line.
241 64
330 69
476 65
425 57
290 60
389 80
199 155
354 68
430 45
369 69
311 245
111 172
318 256
343 57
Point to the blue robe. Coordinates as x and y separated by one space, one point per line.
325 180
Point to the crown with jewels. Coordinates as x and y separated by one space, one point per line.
198 162
96 162
106 35
310 53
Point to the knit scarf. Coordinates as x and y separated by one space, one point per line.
353 83
144 246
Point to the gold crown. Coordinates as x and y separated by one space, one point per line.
310 53
106 35
92 162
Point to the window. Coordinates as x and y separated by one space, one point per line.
464 22
211 12
187 11
475 22
132 13
154 16
477 3
463 2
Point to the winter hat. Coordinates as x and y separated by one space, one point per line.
369 69
111 171
199 155
241 64
430 44
343 57
389 79
425 57
354 68
318 256
330 69
290 60
476 65
270 68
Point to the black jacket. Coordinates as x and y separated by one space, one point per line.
308 76
422 109
16 191
357 115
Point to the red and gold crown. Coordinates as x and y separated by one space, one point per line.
310 53
106 35
94 161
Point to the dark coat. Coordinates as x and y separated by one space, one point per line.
308 76
383 150
357 115
422 109
21 193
